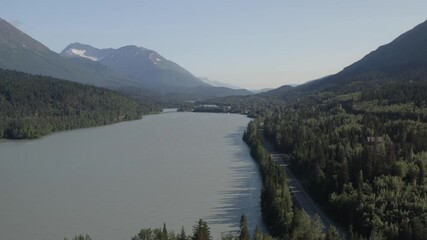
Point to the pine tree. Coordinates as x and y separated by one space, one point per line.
201 231
182 235
257 234
244 231
332 234
164 232
145 234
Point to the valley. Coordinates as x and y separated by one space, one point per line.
356 141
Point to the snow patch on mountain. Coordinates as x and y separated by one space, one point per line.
80 53
154 57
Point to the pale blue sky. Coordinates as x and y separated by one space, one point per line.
252 44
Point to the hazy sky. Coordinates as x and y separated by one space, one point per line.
252 44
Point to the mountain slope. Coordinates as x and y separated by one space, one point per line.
217 83
127 69
20 52
147 66
406 55
278 92
406 52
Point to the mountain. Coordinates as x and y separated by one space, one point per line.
278 92
129 69
152 70
20 52
403 58
217 83
261 90
406 52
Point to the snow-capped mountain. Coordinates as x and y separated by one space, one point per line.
129 69
85 51
21 52
147 66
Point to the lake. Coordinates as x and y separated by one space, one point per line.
111 181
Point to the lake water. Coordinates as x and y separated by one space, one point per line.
111 181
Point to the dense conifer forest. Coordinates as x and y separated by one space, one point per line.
284 219
33 106
363 154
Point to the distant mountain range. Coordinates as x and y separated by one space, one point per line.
129 68
406 55
20 52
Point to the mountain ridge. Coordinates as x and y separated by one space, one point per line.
20 52
404 55
147 66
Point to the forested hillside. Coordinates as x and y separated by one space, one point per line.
363 153
33 106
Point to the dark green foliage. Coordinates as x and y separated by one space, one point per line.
182 235
362 154
257 234
332 234
244 231
283 219
144 234
305 228
201 231
276 202
81 237
158 234
33 106
252 106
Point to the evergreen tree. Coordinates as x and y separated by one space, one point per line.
81 237
244 231
201 231
257 234
145 234
228 236
332 234
164 232
182 235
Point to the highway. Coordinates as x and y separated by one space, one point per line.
301 197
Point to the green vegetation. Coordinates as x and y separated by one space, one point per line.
244 231
80 237
363 154
284 219
201 231
252 106
33 106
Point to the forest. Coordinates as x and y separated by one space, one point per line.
201 231
283 218
362 153
33 106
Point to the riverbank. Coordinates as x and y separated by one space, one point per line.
283 219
